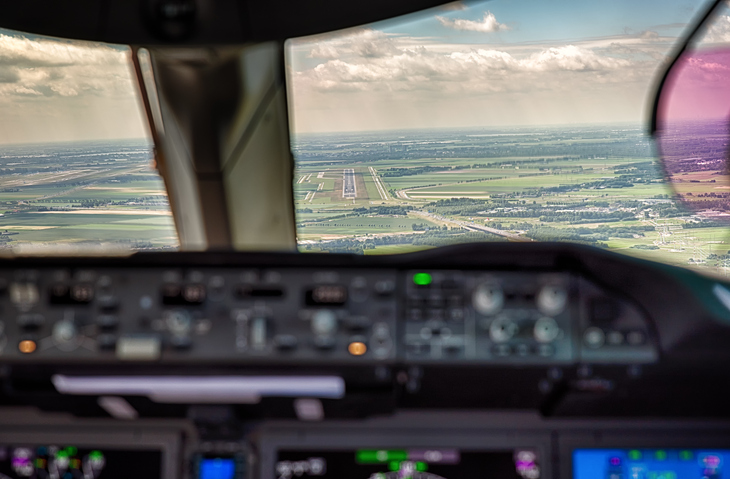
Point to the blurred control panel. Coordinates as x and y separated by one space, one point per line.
307 315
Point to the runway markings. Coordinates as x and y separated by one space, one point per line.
349 190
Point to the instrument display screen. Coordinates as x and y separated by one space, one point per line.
408 463
650 463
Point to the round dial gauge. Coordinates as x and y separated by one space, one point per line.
502 330
552 299
546 330
488 298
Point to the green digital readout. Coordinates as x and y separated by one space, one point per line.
380 456
422 279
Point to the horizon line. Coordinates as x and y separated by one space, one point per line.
474 127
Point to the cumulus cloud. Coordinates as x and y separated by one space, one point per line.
374 80
572 58
488 24
719 31
42 67
476 70
59 90
363 42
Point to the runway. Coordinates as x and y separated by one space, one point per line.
349 190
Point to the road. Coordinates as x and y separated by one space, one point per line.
472 226
349 190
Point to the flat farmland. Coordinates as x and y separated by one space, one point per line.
86 226
594 184
89 193
363 225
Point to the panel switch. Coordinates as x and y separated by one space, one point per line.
259 332
139 348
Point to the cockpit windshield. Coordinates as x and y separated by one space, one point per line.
496 121
77 171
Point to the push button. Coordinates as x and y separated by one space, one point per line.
106 342
107 321
285 342
324 343
594 337
30 322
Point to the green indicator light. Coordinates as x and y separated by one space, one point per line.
421 466
96 455
63 453
686 455
71 450
660 455
394 466
398 455
379 456
422 279
635 455
367 457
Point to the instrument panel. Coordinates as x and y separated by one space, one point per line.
293 366
243 315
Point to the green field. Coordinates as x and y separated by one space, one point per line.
362 225
600 187
91 195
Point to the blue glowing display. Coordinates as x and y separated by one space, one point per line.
651 464
217 468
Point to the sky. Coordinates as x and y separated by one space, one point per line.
494 63
59 90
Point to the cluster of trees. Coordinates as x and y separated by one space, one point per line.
549 214
355 212
130 178
432 238
420 226
579 217
719 256
704 224
416 170
546 233
328 225
580 234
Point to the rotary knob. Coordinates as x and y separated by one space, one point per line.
324 323
552 299
64 331
502 330
178 322
488 298
546 330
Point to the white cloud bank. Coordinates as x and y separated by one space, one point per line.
719 30
57 90
371 80
54 67
488 24
370 60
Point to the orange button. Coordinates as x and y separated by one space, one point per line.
27 346
357 348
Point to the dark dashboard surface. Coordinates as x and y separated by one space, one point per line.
567 330
516 360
